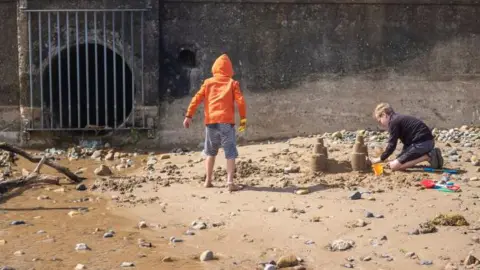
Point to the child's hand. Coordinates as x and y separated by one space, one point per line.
187 122
243 125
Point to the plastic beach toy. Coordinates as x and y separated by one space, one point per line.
378 169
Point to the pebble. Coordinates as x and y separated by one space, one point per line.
167 259
175 240
270 267
80 267
81 187
341 245
470 260
109 234
409 254
348 265
355 196
379 216
43 197
272 209
206 256
199 225
41 232
17 222
309 242
369 215
189 232
302 191
19 253
474 179
366 258
142 225
96 154
74 213
426 262
165 156
287 261
59 190
127 264
81 246
103 170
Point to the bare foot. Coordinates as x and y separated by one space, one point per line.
233 187
208 185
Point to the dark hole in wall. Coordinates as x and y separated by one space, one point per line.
93 105
186 58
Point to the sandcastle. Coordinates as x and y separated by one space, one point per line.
359 154
319 157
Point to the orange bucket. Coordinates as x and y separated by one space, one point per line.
378 169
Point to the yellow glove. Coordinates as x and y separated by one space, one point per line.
243 125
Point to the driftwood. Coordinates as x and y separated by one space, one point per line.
33 177
10 148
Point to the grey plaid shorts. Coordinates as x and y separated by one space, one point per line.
220 135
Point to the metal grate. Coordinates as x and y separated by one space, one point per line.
69 91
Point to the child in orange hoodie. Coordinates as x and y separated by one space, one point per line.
219 94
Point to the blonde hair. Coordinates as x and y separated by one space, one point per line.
383 108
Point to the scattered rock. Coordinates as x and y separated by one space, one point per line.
74 213
81 247
206 256
369 214
426 262
316 219
302 191
474 179
167 259
199 225
144 244
17 222
379 216
175 240
270 267
7 268
356 224
127 264
341 245
142 225
103 170
2 242
43 197
109 234
366 258
19 253
80 267
189 232
81 187
287 261
449 220
272 209
348 265
292 169
59 190
355 196
110 156
426 227
470 260
96 154
165 156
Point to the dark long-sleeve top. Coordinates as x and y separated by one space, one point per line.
408 129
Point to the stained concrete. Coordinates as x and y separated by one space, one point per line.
313 68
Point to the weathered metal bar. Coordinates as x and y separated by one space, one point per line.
40 66
78 71
96 66
87 95
105 66
50 69
132 67
123 68
59 55
69 75
30 63
83 10
141 70
114 54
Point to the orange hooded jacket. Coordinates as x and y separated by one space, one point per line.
219 93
